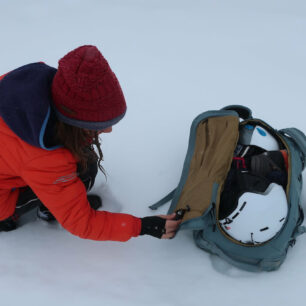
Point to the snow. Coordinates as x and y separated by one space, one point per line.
174 59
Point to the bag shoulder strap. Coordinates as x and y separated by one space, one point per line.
298 137
164 200
300 231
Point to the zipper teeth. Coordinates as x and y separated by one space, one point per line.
287 194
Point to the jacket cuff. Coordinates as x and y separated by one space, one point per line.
137 227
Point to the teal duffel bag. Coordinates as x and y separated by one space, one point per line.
224 149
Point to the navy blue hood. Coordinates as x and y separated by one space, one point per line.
26 104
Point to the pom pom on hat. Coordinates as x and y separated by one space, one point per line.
86 92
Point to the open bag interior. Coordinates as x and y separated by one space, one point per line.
222 155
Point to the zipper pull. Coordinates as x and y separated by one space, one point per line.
181 212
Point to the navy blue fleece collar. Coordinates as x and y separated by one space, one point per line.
26 104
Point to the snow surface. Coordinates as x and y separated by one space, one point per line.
174 59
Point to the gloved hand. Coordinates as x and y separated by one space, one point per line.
162 227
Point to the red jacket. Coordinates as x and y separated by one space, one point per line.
52 176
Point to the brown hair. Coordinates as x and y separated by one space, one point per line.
80 142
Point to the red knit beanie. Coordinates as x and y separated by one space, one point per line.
86 92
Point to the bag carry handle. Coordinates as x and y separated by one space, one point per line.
298 137
243 111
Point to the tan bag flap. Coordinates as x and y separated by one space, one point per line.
216 139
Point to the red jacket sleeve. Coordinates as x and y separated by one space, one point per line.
56 184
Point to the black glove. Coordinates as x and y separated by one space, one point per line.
8 224
154 226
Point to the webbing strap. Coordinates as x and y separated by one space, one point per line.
164 200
